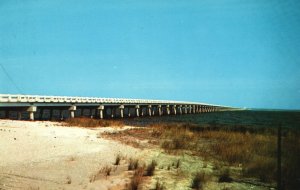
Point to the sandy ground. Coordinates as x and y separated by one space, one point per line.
45 155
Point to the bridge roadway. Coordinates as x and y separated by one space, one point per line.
44 107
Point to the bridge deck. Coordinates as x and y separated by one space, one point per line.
35 105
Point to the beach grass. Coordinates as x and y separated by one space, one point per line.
92 123
254 151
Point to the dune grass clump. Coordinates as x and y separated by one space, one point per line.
106 170
118 159
91 123
177 165
136 180
198 181
133 164
150 168
225 176
262 167
159 186
68 180
174 138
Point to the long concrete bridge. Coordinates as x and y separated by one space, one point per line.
60 107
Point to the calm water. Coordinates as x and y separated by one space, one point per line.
253 118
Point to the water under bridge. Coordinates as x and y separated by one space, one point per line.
60 107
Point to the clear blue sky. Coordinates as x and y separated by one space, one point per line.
229 52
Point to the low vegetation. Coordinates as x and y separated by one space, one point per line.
118 159
136 180
91 123
150 168
104 171
225 176
133 164
198 181
159 186
254 151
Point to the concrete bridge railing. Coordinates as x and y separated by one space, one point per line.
36 106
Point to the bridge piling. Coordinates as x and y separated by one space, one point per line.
180 109
31 111
137 109
72 110
100 111
149 110
159 110
121 107
174 109
168 109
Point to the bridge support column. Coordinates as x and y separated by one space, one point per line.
72 110
149 110
159 110
185 109
180 109
174 109
100 111
31 111
190 109
137 111
194 109
121 107
168 109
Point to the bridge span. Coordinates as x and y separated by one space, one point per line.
59 107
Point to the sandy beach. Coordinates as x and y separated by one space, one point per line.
45 155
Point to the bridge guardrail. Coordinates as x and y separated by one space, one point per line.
12 98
